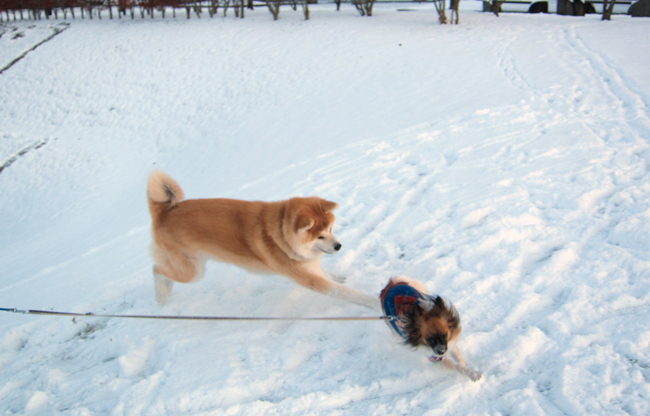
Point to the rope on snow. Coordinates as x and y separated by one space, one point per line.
196 318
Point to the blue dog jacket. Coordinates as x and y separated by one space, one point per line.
397 301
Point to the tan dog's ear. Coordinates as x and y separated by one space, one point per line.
304 223
328 205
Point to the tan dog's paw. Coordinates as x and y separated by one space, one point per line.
339 279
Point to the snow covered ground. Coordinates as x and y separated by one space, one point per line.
503 161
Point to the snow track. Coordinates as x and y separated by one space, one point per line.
12 158
55 31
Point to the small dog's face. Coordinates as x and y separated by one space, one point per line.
312 231
436 334
434 323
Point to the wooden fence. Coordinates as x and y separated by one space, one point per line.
45 9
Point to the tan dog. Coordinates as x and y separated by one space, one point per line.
283 237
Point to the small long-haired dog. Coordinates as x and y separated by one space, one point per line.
421 319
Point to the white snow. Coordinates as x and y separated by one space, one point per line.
503 162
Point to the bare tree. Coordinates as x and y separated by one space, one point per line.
305 8
440 7
495 6
274 8
363 6
453 6
607 11
214 7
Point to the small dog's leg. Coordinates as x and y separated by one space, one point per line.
458 356
472 373
458 363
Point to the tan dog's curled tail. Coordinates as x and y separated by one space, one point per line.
163 194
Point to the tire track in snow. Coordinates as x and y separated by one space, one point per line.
507 64
22 152
618 116
632 103
622 137
631 110
56 30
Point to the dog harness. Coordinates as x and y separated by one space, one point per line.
396 302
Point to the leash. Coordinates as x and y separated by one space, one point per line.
196 318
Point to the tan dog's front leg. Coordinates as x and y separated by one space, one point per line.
351 295
318 281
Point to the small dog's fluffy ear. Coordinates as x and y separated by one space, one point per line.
329 206
304 223
428 303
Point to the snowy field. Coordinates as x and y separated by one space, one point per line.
503 161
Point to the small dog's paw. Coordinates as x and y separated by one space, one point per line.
474 375
339 279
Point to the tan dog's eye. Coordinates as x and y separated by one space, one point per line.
322 237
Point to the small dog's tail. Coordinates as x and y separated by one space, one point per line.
163 194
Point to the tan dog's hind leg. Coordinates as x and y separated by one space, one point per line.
184 270
162 285
458 363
